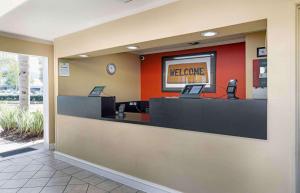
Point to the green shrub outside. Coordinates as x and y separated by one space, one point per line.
22 122
33 98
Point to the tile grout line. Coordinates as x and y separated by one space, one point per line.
43 164
49 177
33 175
19 188
47 160
17 172
84 178
67 184
116 187
56 170
87 188
89 184
94 174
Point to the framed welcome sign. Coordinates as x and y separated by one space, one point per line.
200 68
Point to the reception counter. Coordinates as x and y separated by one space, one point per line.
88 107
244 118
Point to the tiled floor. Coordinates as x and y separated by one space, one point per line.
40 172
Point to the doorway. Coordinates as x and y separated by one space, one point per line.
23 101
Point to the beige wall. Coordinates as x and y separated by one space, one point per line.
185 160
253 41
39 49
86 73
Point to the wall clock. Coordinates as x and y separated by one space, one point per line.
111 68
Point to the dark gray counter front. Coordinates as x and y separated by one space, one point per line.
245 118
88 107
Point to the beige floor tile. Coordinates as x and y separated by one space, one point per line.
22 160
93 189
5 164
9 190
60 174
59 181
30 190
108 185
32 167
76 188
6 176
60 165
2 182
47 168
124 189
38 182
83 174
36 162
71 170
13 168
44 174
14 183
75 181
53 189
23 175
94 180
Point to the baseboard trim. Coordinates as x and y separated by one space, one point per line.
123 178
52 146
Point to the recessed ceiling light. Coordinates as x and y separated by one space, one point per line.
83 56
132 47
209 33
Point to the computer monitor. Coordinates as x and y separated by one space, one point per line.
97 90
192 90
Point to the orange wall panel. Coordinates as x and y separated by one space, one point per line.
230 64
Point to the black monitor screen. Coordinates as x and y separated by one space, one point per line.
97 90
196 89
192 90
186 89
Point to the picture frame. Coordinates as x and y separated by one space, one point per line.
261 52
196 68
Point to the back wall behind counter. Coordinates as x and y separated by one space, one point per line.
230 64
85 73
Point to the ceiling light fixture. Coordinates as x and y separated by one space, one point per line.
132 47
209 33
83 56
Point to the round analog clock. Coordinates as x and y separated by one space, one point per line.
111 68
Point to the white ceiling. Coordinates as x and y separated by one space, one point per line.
8 5
49 19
